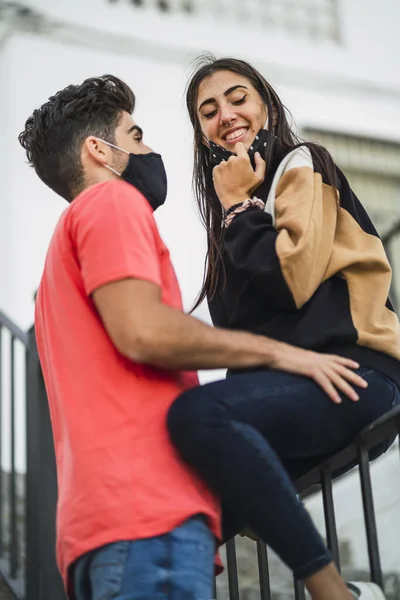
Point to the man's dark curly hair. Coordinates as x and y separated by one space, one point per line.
54 134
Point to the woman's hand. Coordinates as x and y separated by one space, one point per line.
332 373
235 179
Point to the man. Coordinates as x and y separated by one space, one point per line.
116 350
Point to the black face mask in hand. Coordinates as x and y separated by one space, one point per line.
218 154
146 172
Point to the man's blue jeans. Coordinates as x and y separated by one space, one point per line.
176 566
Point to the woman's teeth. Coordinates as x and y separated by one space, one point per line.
236 134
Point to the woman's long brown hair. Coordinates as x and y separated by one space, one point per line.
209 206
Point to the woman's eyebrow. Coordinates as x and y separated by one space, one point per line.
226 93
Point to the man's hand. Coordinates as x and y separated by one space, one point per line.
235 179
332 373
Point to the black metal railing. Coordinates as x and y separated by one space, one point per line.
28 495
321 478
13 352
43 581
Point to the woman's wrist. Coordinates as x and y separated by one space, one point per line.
232 199
232 208
236 209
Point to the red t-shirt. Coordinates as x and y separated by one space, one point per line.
119 477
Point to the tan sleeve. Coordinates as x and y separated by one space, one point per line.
306 212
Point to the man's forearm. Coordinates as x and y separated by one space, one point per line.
146 331
175 340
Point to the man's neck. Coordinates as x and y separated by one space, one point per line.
99 177
94 180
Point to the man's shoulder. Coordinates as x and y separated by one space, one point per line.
110 202
111 191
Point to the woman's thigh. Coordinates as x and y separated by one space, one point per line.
295 415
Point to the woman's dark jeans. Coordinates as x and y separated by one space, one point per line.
250 435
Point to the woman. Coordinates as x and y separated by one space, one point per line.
292 255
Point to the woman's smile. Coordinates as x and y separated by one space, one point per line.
235 135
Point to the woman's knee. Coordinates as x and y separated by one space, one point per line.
191 417
182 415
177 418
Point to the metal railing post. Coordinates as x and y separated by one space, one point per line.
43 581
263 571
299 590
369 518
1 450
233 581
32 566
329 513
13 499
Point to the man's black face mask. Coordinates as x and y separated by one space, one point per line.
146 172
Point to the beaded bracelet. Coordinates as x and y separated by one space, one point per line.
233 207
236 209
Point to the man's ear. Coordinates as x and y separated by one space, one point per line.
96 149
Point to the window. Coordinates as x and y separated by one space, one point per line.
373 170
315 19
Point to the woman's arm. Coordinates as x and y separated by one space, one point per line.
286 253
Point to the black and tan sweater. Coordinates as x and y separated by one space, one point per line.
309 271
